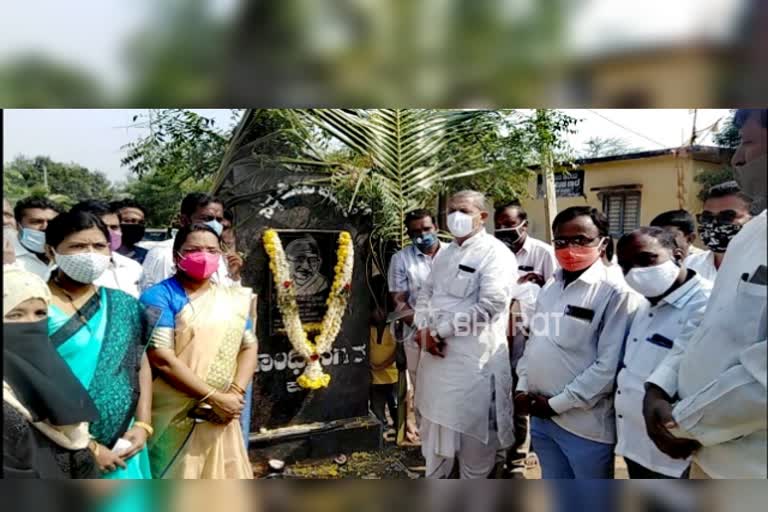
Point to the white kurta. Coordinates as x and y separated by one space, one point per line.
466 301
721 375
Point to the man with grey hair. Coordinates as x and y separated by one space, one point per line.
464 379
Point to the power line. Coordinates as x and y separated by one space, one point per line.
628 129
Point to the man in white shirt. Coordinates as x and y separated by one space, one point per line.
683 226
33 215
196 208
464 379
409 269
709 399
726 210
676 299
535 266
568 370
123 273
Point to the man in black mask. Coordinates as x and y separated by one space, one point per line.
709 399
726 210
535 259
536 264
132 217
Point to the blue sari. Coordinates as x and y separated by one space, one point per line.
103 346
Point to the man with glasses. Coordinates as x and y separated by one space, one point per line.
196 208
726 210
568 369
710 396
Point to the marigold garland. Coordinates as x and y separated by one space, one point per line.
313 376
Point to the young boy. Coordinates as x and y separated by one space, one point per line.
384 373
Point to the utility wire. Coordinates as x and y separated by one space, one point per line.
628 129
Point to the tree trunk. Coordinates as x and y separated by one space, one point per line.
550 206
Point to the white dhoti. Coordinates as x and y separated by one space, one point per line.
441 446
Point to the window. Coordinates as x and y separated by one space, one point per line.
623 211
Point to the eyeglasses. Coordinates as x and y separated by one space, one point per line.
721 217
581 241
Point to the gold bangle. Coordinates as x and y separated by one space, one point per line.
145 426
237 388
209 395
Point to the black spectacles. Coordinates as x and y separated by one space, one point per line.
721 217
581 241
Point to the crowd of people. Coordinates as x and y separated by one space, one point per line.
123 362
91 319
649 348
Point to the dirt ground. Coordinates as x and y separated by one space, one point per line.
391 463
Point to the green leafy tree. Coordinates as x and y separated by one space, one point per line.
67 183
727 137
395 166
180 154
513 143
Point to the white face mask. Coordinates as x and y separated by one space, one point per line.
85 267
460 224
653 281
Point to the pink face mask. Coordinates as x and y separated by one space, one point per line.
199 265
115 239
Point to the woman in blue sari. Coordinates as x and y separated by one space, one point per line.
102 333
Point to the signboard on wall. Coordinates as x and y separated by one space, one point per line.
567 184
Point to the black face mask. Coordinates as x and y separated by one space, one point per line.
132 233
718 236
41 379
510 236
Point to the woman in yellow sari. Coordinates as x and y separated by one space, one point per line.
204 355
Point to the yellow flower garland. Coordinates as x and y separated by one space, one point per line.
313 376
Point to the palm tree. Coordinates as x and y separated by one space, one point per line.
390 162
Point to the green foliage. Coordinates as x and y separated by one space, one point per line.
390 161
711 177
67 183
393 163
33 81
177 58
180 155
727 137
512 142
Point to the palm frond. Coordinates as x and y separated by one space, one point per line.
403 147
